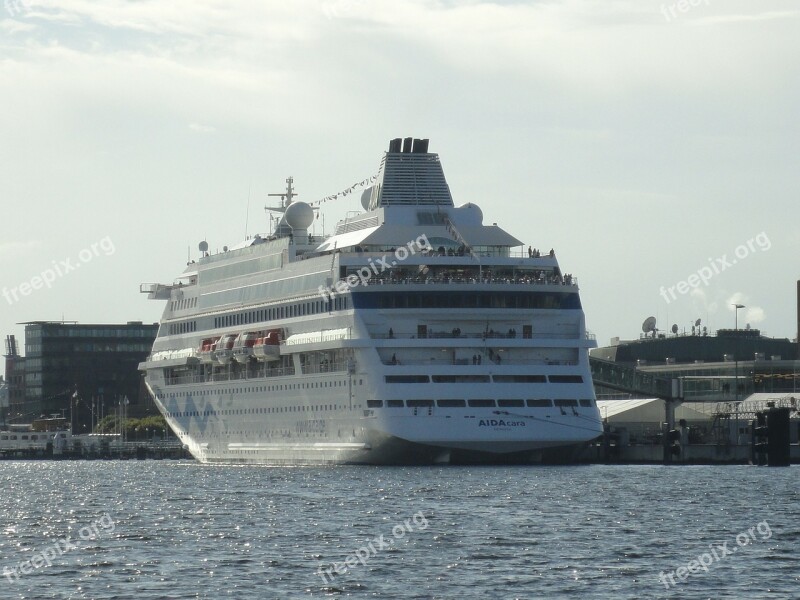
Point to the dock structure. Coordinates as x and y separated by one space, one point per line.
762 428
78 448
630 380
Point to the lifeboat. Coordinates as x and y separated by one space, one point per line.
267 348
243 348
206 351
224 348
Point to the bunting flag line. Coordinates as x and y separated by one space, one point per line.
345 192
457 237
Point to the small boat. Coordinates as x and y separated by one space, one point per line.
224 348
206 351
243 348
268 348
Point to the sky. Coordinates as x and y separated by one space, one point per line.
654 145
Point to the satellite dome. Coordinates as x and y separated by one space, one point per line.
365 195
469 214
299 215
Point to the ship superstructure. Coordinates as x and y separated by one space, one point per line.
413 334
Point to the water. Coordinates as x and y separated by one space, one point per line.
167 530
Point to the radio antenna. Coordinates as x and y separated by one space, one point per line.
247 214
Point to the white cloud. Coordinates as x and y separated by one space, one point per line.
751 314
745 18
12 26
200 128
16 250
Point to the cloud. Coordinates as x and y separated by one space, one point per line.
200 128
12 26
13 250
765 16
752 313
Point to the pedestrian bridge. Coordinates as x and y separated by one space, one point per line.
630 380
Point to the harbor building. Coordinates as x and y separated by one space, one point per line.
15 378
702 389
726 367
3 402
79 371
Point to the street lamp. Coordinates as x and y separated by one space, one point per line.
736 308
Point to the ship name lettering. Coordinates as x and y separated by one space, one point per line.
500 423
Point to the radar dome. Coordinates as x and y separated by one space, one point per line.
299 215
469 214
365 195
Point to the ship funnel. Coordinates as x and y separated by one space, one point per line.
407 145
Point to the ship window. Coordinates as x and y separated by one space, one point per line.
481 403
374 403
566 402
460 379
586 403
419 403
520 379
566 379
510 403
407 379
451 403
539 403
394 403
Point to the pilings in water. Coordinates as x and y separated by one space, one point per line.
771 438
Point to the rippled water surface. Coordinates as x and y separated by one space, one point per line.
158 529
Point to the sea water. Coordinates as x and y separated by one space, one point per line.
155 530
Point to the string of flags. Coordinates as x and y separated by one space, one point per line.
345 192
457 237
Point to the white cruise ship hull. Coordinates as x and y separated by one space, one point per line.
414 334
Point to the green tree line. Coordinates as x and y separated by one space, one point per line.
140 429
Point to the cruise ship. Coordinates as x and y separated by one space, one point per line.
414 334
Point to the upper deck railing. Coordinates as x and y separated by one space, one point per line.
443 280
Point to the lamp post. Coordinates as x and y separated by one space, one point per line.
736 308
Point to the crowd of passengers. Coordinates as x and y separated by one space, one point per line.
459 276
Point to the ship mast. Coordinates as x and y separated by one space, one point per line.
286 200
